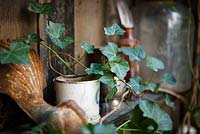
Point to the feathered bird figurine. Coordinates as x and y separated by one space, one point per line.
25 85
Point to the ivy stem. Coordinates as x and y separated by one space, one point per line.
130 87
52 68
114 110
173 94
77 61
123 124
188 46
58 56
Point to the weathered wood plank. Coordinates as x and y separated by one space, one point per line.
64 13
88 23
15 20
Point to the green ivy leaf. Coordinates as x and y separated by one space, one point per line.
108 79
106 67
196 116
87 129
135 54
120 68
111 51
55 132
169 79
99 129
41 8
113 30
135 83
95 68
32 37
153 111
138 121
168 102
17 53
198 61
89 48
55 32
111 93
154 63
38 128
152 86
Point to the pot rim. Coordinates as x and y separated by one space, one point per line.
74 79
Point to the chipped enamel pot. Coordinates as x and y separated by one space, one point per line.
83 90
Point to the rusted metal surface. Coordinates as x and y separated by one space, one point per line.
25 85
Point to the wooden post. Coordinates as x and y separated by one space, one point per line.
88 24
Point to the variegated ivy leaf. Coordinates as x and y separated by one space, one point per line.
99 129
55 32
113 30
32 37
154 63
111 93
17 53
152 86
108 79
135 54
168 102
111 51
153 111
136 84
120 68
95 68
89 48
42 8
169 79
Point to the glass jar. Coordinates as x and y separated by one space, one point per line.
164 29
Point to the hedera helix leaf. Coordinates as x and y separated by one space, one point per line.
152 86
168 102
111 93
89 48
196 117
113 30
138 121
95 68
32 37
154 63
135 54
137 86
55 32
169 79
41 8
17 53
120 68
108 79
111 51
99 129
153 111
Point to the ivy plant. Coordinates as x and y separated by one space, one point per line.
152 118
147 116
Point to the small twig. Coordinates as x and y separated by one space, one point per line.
117 107
173 94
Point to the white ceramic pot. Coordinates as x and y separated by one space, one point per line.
83 91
